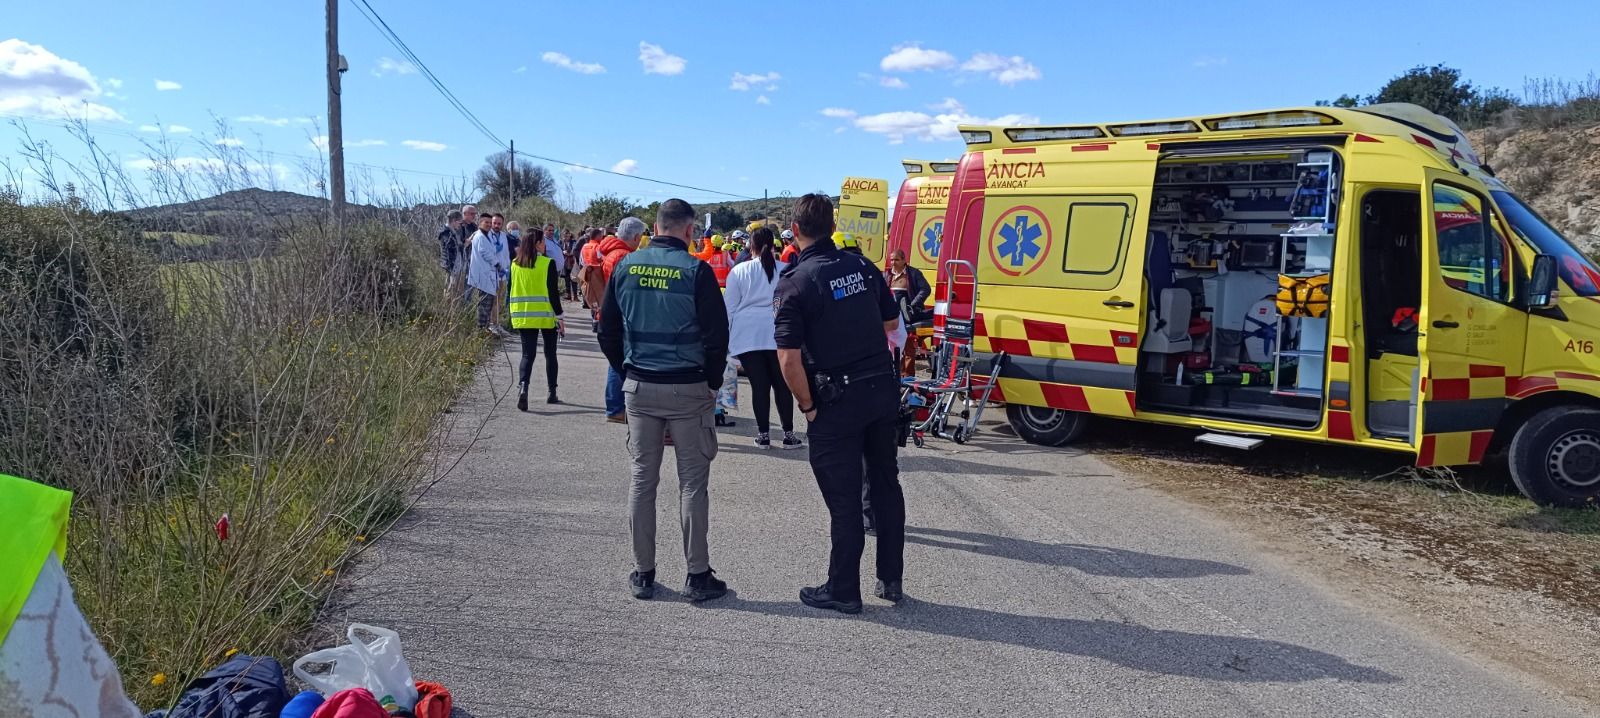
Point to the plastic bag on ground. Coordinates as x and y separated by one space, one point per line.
374 663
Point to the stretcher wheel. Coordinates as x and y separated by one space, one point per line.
962 433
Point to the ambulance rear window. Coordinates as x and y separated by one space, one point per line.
1577 270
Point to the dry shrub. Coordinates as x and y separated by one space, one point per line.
295 391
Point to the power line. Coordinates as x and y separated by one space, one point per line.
389 34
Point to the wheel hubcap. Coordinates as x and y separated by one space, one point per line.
1042 419
1575 459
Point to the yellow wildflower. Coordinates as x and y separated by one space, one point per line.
158 679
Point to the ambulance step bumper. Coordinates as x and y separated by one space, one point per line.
1231 441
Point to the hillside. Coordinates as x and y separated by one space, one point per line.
1556 170
257 211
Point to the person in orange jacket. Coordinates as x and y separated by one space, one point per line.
790 251
720 263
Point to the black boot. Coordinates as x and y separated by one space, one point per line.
552 398
704 586
522 397
823 597
889 591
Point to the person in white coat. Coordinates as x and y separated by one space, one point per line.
490 260
750 337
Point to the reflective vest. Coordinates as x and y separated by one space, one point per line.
721 264
35 524
530 296
655 288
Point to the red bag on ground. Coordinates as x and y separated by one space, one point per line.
351 703
433 700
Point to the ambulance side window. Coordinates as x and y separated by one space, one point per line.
1473 256
1096 240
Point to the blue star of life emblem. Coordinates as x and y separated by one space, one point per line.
930 239
1021 240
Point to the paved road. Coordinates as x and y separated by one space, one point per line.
1040 583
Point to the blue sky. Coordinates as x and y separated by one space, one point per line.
740 97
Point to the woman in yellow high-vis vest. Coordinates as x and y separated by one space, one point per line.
535 312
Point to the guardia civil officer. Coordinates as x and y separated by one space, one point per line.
833 312
664 327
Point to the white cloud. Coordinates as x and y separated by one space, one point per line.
562 61
893 83
1209 61
838 113
626 167
391 66
274 121
149 128
113 83
899 125
425 145
178 130
950 104
579 169
167 86
365 143
520 69
763 100
228 142
37 82
913 57
657 61
743 81
1005 70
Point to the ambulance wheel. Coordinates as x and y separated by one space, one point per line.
1555 457
1045 426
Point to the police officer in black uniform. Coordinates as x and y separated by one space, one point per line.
833 313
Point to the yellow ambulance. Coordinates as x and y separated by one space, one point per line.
918 222
1348 276
863 213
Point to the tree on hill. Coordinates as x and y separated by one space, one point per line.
726 219
494 180
1440 90
607 209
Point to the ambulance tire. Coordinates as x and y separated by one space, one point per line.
1555 457
1045 426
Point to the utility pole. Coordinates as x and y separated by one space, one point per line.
512 200
335 130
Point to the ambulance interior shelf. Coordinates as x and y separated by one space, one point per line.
1223 232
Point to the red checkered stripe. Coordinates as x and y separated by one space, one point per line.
1446 385
1054 340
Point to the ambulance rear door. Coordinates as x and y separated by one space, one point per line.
864 213
1061 273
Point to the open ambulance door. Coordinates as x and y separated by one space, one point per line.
1471 335
1062 289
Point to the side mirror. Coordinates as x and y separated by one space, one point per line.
1542 286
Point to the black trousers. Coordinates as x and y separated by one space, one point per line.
766 382
530 347
856 434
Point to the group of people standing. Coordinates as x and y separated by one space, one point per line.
812 332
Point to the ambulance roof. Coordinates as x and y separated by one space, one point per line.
1399 119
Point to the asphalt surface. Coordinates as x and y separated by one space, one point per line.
1039 583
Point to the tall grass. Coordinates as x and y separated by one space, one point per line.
294 391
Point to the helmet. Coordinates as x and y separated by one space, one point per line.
844 240
788 234
738 234
753 226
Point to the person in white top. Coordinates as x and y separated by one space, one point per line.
490 259
750 337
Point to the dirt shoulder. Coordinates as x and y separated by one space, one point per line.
1477 564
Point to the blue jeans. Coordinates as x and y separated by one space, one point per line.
614 400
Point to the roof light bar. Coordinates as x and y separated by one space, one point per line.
1154 128
1298 118
1037 134
912 168
977 137
944 168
